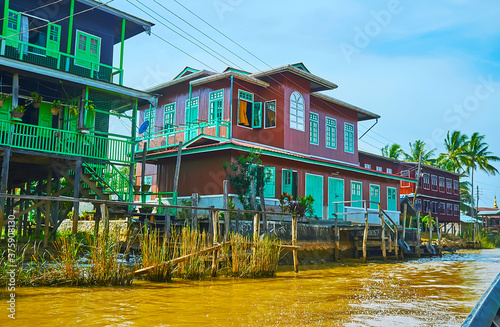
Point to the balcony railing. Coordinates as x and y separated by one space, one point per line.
42 56
68 143
171 137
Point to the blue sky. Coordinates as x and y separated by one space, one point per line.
425 66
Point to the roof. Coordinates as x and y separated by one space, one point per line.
469 219
179 79
317 83
362 113
494 212
186 71
228 74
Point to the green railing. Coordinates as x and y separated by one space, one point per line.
171 137
42 56
37 138
112 179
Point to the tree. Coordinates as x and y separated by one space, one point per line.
415 149
477 157
393 151
465 198
453 159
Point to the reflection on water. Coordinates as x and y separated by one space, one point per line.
426 292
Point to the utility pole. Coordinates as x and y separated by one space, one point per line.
418 179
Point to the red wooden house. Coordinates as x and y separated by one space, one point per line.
438 190
308 139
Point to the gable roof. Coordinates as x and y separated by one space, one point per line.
180 79
362 113
228 69
300 65
227 74
186 71
316 83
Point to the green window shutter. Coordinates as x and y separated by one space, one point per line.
313 128
216 102
331 133
169 118
257 115
335 194
88 50
89 120
349 138
270 185
44 119
13 28
54 40
5 114
95 49
356 194
374 196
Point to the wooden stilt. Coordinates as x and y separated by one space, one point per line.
405 211
263 208
253 200
294 242
97 219
215 219
365 234
194 211
47 210
38 212
225 203
396 245
431 226
3 186
336 236
419 240
439 237
76 194
105 218
382 232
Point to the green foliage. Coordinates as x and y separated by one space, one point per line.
19 108
35 98
416 148
89 105
301 207
4 96
425 221
57 104
393 151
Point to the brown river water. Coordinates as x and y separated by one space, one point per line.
424 292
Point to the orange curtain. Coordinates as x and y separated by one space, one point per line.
243 113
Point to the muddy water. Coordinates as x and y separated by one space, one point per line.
426 292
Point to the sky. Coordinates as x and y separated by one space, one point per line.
426 67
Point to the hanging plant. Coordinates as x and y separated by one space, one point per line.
73 110
36 99
89 105
18 111
56 107
3 97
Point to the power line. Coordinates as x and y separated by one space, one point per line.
43 6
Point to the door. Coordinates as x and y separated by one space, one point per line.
148 180
191 118
269 186
335 194
314 187
286 181
374 196
391 199
356 194
54 40
88 50
44 120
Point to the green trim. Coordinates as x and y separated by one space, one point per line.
122 47
229 146
355 196
169 117
216 105
70 27
313 128
257 115
331 133
301 66
230 69
187 69
348 142
5 17
270 182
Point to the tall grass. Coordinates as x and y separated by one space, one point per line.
156 250
192 242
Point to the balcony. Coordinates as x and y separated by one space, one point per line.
170 137
42 56
112 148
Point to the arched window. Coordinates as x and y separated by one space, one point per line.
297 111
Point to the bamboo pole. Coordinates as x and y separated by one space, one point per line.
225 204
365 234
194 211
47 210
382 236
405 211
396 246
294 243
419 240
336 236
215 219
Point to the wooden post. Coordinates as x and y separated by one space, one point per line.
336 236
105 218
365 234
194 211
382 232
178 167
256 225
38 212
263 208
215 219
439 236
143 172
3 185
76 194
405 211
396 245
253 200
97 219
211 223
419 240
47 209
167 224
294 242
225 203
430 228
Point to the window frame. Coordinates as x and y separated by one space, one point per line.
346 137
388 170
89 43
250 120
456 209
357 204
275 113
368 166
313 126
374 187
173 106
449 190
298 109
456 187
426 181
434 187
216 97
328 128
405 173
443 184
395 198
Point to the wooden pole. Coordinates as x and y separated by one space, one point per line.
3 185
47 210
382 232
76 204
430 228
439 236
143 172
105 218
396 245
253 200
194 211
294 242
225 204
177 167
211 223
405 211
336 236
365 234
215 219
263 208
419 240
38 213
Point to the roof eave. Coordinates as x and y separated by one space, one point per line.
228 74
362 113
311 77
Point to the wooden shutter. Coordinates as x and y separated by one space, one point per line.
13 28
82 45
53 40
270 185
257 115
44 119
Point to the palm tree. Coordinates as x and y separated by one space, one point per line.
453 159
394 151
465 198
477 157
415 149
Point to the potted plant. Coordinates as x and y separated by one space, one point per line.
36 99
73 110
146 209
145 187
3 97
137 188
18 111
56 107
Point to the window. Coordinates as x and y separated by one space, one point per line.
149 115
426 181
356 195
441 184
270 114
348 138
426 206
434 207
216 102
270 185
245 111
418 204
442 208
379 168
13 21
368 166
456 187
457 209
405 173
148 180
391 199
331 133
313 128
297 111
88 48
434 183
448 186
169 118
389 170
449 209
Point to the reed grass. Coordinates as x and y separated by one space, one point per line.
195 267
156 250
